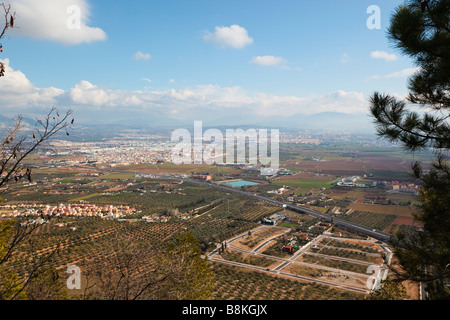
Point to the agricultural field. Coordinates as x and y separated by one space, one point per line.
273 248
236 256
213 216
171 168
88 239
379 221
328 260
337 264
117 176
351 159
348 253
304 184
234 283
257 237
329 276
351 194
402 211
399 212
403 198
350 245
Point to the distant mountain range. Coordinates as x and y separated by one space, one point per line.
327 121
9 121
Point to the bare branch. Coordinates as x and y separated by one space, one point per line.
11 160
10 18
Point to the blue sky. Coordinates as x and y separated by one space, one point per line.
203 58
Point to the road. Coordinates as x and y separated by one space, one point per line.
338 222
298 253
243 265
374 280
284 261
385 237
379 235
270 239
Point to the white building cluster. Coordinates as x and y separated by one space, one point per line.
73 210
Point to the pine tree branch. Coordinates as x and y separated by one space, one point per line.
397 124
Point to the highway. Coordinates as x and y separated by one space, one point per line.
284 262
385 237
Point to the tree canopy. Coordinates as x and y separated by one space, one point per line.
421 30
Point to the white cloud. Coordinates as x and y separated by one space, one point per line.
383 55
87 93
267 60
194 101
147 80
403 73
17 92
56 21
234 36
172 80
201 102
141 56
14 81
398 74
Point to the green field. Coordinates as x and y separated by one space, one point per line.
373 220
304 183
89 196
174 168
289 225
118 176
235 283
197 188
